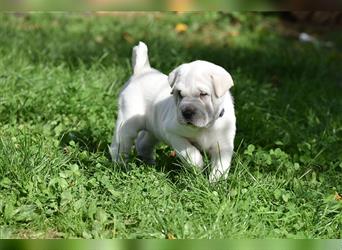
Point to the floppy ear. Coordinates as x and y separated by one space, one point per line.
222 82
173 77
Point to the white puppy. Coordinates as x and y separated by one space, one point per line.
191 110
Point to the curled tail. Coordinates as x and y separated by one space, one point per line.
140 61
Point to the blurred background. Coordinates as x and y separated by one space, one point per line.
180 5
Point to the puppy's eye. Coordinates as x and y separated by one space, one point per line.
203 94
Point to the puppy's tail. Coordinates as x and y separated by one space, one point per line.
140 61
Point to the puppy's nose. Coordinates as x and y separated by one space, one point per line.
188 113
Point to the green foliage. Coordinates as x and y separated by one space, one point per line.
60 76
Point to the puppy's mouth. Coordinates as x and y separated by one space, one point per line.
190 124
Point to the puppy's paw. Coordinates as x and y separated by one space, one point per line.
197 160
192 156
216 175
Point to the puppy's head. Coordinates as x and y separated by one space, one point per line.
198 88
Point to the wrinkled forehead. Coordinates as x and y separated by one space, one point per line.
195 77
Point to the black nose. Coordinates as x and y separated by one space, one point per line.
188 113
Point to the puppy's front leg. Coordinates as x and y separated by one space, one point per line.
220 160
186 150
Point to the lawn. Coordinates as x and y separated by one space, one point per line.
60 75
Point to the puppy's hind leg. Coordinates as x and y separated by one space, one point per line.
145 146
125 132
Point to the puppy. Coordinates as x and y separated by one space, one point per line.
191 110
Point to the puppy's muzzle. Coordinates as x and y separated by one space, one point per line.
188 113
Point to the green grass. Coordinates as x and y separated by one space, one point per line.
60 76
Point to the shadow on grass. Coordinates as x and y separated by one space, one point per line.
86 140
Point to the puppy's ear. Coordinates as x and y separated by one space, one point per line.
173 77
222 81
